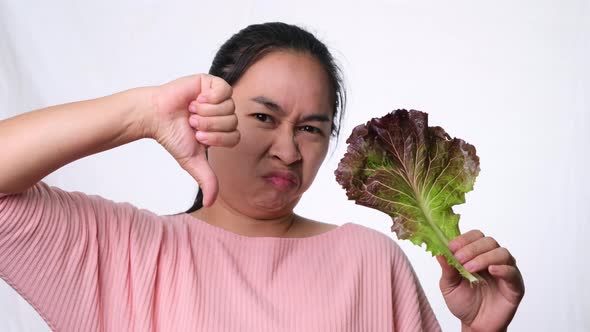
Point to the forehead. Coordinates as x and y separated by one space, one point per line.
296 81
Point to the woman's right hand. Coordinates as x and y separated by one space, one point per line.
189 114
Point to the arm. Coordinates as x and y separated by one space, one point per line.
49 251
58 249
37 143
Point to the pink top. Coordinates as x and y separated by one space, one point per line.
89 264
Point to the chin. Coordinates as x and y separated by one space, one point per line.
273 205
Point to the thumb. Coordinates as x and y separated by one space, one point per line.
214 90
450 277
198 167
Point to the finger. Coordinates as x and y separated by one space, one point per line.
214 90
198 167
226 123
513 286
450 277
464 239
226 107
505 272
213 138
475 248
498 256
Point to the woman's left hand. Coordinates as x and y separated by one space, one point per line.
491 304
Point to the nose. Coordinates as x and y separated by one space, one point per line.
285 148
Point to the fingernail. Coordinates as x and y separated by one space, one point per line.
202 99
192 108
460 257
453 246
201 136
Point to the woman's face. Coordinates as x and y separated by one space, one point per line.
284 112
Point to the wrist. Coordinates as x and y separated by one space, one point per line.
142 112
466 328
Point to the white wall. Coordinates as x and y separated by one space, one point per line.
512 78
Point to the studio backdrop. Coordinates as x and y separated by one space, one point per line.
511 78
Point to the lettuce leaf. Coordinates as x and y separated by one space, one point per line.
413 173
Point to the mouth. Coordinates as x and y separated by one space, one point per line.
282 180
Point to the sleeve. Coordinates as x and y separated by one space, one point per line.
411 309
59 249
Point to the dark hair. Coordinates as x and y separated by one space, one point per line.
255 41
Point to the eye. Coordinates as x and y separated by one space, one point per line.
311 129
262 117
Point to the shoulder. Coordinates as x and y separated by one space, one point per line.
310 227
49 200
306 227
364 238
376 247
374 239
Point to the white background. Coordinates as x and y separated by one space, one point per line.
512 78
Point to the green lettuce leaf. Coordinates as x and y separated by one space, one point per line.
413 173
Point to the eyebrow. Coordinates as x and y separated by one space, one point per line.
271 105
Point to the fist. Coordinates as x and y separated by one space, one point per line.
190 114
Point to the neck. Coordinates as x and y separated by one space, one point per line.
222 215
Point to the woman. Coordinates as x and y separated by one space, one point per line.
240 259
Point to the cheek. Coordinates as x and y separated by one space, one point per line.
245 153
314 157
253 141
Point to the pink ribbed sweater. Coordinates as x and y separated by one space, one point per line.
89 264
